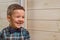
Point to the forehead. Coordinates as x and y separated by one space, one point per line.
18 12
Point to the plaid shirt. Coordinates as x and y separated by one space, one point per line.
12 34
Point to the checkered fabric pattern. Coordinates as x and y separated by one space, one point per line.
12 34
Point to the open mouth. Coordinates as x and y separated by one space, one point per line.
19 23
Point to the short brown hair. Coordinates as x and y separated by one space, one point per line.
13 7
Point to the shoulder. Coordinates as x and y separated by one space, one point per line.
24 29
4 30
26 33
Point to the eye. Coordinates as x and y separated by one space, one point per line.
23 17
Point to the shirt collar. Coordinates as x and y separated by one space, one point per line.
12 30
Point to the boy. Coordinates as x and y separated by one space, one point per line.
15 31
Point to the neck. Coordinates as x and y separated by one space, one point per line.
14 27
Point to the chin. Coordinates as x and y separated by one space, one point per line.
18 26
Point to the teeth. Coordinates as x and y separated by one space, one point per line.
19 23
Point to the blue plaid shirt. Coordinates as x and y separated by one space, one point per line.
11 34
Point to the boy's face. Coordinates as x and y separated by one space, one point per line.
17 18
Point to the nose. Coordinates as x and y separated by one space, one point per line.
21 19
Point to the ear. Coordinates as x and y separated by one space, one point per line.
8 17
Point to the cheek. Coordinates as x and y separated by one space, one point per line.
23 20
13 20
